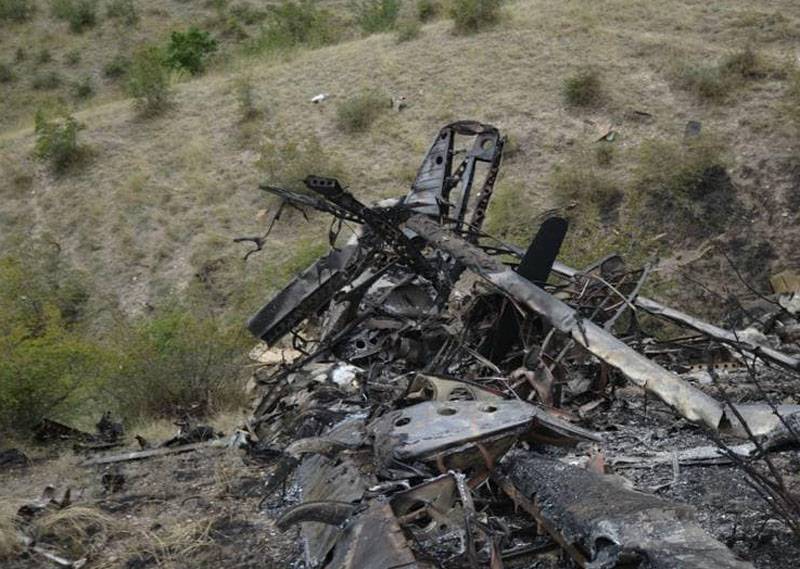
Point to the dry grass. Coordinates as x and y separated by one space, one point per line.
140 217
77 530
10 544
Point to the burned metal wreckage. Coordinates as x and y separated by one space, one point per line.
439 368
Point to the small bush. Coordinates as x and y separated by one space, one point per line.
15 10
578 183
408 27
6 73
117 67
246 97
288 162
357 113
375 15
83 89
510 217
583 88
427 10
292 24
73 57
20 55
44 56
178 360
746 64
472 16
791 99
707 82
148 80
57 141
188 50
685 187
45 367
247 14
123 11
46 81
604 154
81 14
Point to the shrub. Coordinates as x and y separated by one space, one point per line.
583 88
73 57
44 56
6 73
20 54
83 88
472 16
148 80
357 113
123 11
288 162
746 63
188 50
178 360
375 15
791 99
247 14
117 67
707 82
578 183
15 10
46 368
685 187
427 9
510 217
408 27
81 14
57 141
291 24
246 97
46 81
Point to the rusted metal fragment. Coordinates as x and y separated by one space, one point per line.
427 430
373 540
602 524
686 399
725 336
761 418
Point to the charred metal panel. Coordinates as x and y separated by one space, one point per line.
609 524
303 296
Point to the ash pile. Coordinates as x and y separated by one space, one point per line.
446 399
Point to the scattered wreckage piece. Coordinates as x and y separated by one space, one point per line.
152 453
675 392
733 339
761 418
602 525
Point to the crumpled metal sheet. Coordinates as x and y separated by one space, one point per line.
607 524
338 479
674 391
304 295
427 429
373 540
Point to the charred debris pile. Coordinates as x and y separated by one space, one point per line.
439 376
450 401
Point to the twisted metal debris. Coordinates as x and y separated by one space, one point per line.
437 369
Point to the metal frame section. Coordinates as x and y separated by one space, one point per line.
689 401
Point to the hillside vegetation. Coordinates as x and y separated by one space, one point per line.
146 204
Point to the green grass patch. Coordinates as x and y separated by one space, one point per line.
357 113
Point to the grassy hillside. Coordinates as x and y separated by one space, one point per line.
156 202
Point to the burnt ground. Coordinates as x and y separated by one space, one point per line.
191 510
204 509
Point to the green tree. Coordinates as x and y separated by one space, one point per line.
189 50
